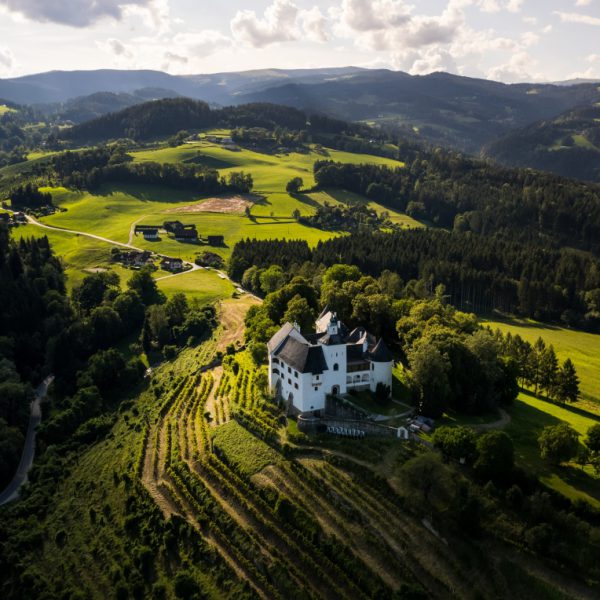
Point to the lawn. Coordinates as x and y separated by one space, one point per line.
242 449
204 285
582 348
529 415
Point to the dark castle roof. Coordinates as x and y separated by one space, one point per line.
279 337
380 353
303 358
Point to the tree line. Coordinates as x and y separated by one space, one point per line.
450 361
480 274
168 116
466 194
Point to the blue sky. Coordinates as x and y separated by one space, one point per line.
506 40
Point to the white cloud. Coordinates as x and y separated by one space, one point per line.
577 18
518 68
277 25
80 13
364 15
583 2
514 5
200 44
593 58
314 24
530 38
282 21
6 60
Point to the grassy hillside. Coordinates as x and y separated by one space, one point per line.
81 255
529 416
200 481
582 348
113 211
5 109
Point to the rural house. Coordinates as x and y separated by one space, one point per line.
171 264
305 369
150 234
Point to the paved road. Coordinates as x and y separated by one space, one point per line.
11 492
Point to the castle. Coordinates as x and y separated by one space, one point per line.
305 369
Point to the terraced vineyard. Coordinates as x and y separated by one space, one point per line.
292 520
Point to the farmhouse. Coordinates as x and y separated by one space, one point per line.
186 235
150 234
305 369
172 226
171 264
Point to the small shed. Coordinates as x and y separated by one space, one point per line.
216 240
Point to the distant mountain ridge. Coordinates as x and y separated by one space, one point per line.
440 109
568 145
444 109
60 86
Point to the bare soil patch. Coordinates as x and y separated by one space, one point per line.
225 204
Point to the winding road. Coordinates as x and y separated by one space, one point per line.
32 221
11 492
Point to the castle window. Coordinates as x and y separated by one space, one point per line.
289 382
316 389
296 385
296 374
336 367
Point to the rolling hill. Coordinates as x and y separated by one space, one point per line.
440 108
568 145
449 110
222 88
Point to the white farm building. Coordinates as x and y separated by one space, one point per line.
305 369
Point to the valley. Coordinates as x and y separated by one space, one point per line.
167 464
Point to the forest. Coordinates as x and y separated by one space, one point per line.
466 194
43 330
168 116
480 274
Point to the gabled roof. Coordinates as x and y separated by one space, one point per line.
302 357
381 353
279 337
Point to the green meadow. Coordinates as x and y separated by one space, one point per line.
81 255
582 348
112 211
529 415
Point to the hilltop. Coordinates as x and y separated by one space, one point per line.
568 145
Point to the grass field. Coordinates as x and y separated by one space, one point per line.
529 415
112 211
5 109
81 254
242 449
270 172
582 348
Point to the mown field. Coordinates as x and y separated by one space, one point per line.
82 255
582 348
529 415
112 211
